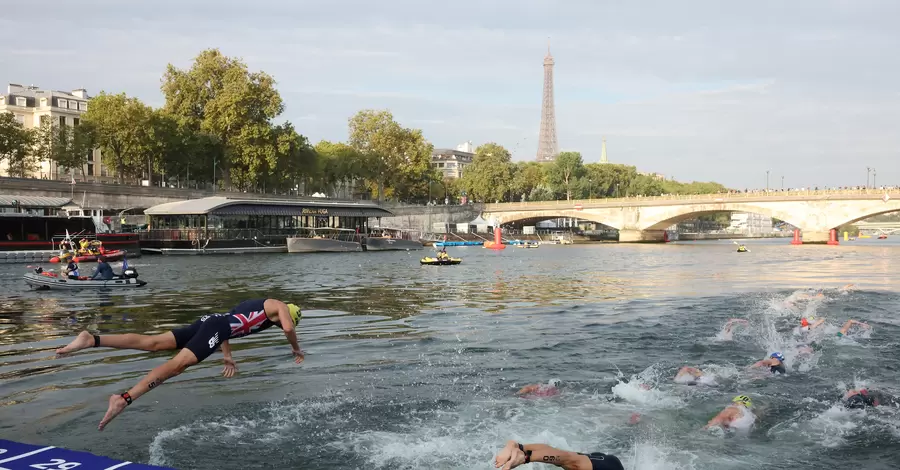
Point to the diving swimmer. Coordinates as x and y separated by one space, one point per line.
862 398
196 341
515 454
737 410
775 363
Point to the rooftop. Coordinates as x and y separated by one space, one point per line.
226 206
33 201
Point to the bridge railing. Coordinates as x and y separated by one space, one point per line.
716 197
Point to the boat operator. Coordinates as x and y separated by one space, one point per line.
103 270
515 454
197 341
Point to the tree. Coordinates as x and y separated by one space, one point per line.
398 159
564 170
219 96
123 127
66 146
489 177
526 177
16 146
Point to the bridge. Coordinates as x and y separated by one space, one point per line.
878 228
645 219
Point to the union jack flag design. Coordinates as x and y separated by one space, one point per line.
243 324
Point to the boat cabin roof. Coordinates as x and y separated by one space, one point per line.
226 206
33 201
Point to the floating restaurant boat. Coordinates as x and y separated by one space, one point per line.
31 229
220 225
392 239
316 240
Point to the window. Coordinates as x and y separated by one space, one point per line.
82 106
20 101
73 105
62 120
43 102
75 121
90 163
62 103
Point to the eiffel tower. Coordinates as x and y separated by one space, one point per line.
547 144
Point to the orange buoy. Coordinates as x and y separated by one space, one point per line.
497 244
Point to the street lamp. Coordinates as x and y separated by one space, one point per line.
782 182
873 178
590 189
617 190
767 180
867 177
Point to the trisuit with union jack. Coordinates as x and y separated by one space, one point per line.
197 341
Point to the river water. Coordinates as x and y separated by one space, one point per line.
412 367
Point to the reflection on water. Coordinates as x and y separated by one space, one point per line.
417 367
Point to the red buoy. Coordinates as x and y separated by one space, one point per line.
796 240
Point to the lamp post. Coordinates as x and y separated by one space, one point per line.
590 189
867 176
782 182
617 190
767 180
873 178
215 160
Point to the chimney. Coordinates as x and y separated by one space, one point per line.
81 93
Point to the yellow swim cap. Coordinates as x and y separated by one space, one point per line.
744 400
295 313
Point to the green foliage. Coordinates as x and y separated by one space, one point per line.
397 159
526 177
564 171
123 128
489 178
16 146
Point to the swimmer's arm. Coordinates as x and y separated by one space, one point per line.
760 364
226 350
721 419
817 324
542 453
528 389
287 325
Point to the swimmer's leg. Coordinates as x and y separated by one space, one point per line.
160 342
117 403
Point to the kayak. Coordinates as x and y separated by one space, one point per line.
741 251
48 280
113 255
440 262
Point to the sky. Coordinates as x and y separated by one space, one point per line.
808 90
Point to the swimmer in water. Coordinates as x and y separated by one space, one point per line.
775 363
849 324
690 376
515 454
737 410
548 389
729 325
862 398
196 341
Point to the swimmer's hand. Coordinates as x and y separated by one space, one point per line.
298 356
230 368
510 457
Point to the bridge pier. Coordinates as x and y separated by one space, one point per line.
642 236
819 237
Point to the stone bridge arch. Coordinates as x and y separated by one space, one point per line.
603 217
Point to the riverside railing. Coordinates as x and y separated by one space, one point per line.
718 197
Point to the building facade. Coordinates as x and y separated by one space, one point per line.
452 162
32 105
749 223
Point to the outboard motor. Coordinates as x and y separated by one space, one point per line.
130 273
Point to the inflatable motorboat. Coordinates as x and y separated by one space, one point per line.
114 255
43 280
429 261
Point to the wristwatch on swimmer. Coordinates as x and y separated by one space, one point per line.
526 452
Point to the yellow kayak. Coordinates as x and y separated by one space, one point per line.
439 262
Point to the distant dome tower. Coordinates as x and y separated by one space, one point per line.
547 144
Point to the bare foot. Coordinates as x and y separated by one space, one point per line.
82 341
116 405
